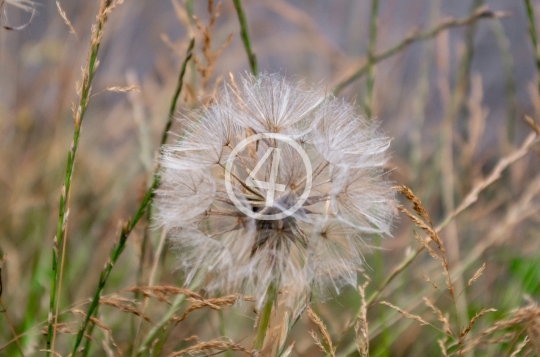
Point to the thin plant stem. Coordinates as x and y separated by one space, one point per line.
463 82
370 79
421 98
164 137
531 25
384 347
189 55
126 229
454 107
151 281
11 327
264 317
150 337
177 91
471 198
88 342
78 114
509 80
222 330
245 36
416 36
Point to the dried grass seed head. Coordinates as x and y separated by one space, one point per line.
311 247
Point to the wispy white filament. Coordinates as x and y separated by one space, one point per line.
317 248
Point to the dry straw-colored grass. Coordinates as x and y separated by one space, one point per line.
460 277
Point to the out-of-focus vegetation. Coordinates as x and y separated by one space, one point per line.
456 84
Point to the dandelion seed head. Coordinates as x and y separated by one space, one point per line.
314 247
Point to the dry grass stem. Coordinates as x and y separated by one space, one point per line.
443 348
322 328
427 279
533 124
118 304
417 204
66 20
520 347
198 272
406 314
160 292
477 274
124 89
467 329
214 347
215 304
447 329
361 327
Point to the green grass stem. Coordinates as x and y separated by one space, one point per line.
245 36
131 223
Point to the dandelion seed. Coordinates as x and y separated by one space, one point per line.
27 5
231 185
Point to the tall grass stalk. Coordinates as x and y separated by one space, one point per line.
531 25
131 223
370 79
264 317
245 36
470 199
10 323
416 36
509 80
158 327
60 239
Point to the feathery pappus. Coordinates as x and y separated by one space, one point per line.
274 184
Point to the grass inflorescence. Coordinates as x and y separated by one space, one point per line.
151 255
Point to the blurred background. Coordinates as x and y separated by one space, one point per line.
454 105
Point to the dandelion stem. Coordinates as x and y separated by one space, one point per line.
245 36
60 238
264 317
124 233
416 36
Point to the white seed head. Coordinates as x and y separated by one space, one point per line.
221 229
